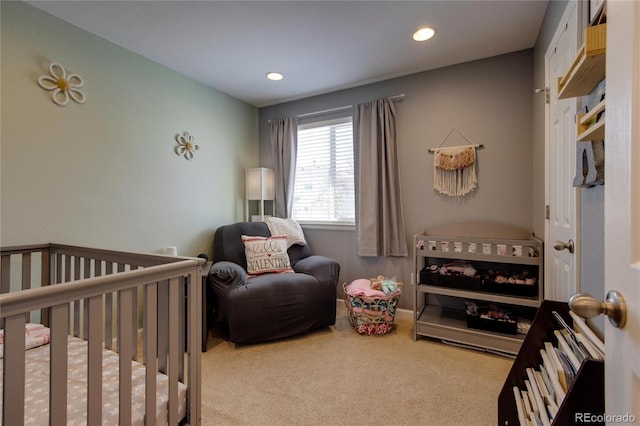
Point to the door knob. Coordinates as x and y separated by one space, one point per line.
559 245
587 306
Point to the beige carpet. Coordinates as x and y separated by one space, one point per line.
337 377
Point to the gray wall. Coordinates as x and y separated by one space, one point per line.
104 173
490 101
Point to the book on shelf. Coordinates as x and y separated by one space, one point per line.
546 386
541 407
575 340
567 351
556 365
594 352
545 393
517 396
587 334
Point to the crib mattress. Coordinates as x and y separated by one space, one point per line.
37 388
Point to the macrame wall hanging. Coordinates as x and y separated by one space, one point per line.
454 168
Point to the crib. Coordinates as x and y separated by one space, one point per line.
124 331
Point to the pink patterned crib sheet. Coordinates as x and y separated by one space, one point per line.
37 387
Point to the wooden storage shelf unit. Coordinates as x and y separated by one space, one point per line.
588 68
588 128
586 394
449 323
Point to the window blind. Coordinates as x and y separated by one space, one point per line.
324 179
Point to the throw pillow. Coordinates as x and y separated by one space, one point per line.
266 254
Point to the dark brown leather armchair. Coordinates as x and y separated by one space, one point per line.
270 306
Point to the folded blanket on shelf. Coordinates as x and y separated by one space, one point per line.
458 269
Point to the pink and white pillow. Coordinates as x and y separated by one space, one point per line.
34 335
266 254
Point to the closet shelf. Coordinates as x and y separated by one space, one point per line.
588 128
588 68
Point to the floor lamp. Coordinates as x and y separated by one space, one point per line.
258 187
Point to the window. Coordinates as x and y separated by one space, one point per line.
324 180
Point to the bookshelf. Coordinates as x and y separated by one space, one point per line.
589 127
586 394
589 65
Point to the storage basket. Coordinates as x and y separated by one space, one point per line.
370 315
487 316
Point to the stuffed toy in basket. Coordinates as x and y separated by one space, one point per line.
371 304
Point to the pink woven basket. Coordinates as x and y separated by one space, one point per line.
370 315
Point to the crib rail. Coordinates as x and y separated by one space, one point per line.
113 300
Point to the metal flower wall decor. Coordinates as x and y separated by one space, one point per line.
63 86
186 145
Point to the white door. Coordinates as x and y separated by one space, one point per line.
561 196
622 206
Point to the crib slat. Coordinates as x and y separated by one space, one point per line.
67 269
125 299
26 271
5 281
86 273
77 303
109 333
108 321
181 327
97 268
13 367
26 277
58 268
45 280
76 318
150 351
134 324
94 376
194 327
58 365
163 312
174 311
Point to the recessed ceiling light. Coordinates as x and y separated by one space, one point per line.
275 76
423 34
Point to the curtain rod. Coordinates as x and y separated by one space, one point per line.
327 111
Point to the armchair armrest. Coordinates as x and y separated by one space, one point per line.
325 269
225 275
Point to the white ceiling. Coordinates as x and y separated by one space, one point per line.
320 46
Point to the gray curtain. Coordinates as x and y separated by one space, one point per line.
284 144
379 217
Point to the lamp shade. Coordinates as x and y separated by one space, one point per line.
259 184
